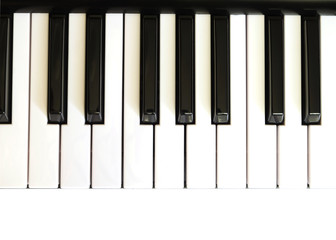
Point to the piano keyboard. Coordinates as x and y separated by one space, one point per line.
167 100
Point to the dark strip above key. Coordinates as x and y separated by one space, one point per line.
242 6
220 69
58 68
310 63
185 69
274 69
6 56
94 81
149 76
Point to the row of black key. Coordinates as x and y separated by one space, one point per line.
58 64
185 69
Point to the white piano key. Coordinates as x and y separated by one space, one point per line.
75 142
138 139
14 137
169 137
44 137
106 138
292 136
201 137
322 154
261 138
231 139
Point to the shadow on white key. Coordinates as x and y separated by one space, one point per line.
14 136
322 151
261 138
44 137
75 143
106 138
169 137
138 139
201 137
231 139
292 136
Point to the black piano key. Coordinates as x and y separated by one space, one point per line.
310 63
94 80
220 69
149 76
6 55
185 69
58 68
274 69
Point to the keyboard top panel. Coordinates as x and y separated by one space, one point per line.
198 6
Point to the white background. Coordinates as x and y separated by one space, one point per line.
167 214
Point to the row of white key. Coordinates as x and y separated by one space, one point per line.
245 152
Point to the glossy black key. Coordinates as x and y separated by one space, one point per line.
6 55
58 68
94 80
310 63
185 69
149 76
274 69
220 69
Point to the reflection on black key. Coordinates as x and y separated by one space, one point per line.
58 68
185 69
310 62
149 76
274 69
220 70
94 81
6 53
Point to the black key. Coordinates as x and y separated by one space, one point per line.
94 81
149 76
6 55
220 70
310 64
274 69
58 68
185 69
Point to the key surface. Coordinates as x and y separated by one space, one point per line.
6 53
149 72
58 68
169 137
94 78
75 142
292 136
261 138
220 69
201 137
322 154
138 139
231 138
14 137
107 137
43 137
185 69
310 51
274 67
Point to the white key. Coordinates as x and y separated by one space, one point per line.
231 139
138 139
75 143
106 139
169 137
261 138
14 137
292 144
322 154
201 137
44 137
